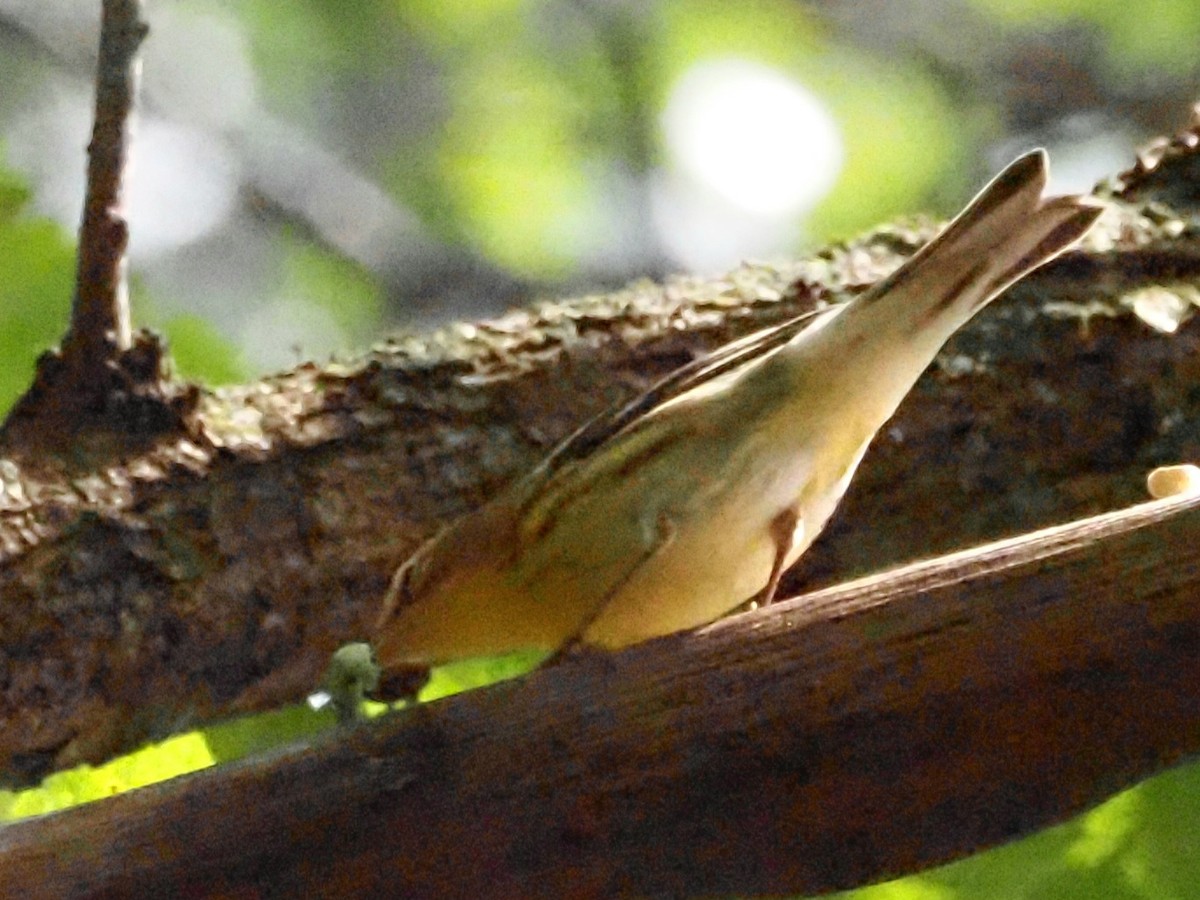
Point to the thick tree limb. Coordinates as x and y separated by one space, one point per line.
153 578
854 734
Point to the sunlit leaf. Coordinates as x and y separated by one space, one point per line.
158 762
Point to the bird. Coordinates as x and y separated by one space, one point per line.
695 498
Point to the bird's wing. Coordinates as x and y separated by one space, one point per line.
746 351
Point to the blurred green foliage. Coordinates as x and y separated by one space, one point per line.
176 756
199 352
530 119
37 276
1138 845
332 284
37 270
1155 36
229 741
900 131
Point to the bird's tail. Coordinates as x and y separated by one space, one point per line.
1005 232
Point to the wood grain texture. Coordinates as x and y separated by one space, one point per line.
850 735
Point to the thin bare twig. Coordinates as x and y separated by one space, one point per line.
100 328
104 380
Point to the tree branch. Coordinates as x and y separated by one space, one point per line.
103 382
848 736
213 571
100 328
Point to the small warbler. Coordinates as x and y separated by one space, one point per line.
695 498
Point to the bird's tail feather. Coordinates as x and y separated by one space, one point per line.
1005 232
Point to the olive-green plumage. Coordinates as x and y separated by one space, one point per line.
694 499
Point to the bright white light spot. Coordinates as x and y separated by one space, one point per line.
298 328
197 68
704 232
182 183
754 136
1164 307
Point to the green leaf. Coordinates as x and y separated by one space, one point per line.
200 353
37 275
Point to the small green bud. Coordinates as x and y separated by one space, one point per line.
351 674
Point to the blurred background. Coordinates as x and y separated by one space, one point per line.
309 175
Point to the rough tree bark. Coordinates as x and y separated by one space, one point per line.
207 564
157 577
854 734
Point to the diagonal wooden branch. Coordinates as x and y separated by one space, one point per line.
168 582
853 734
